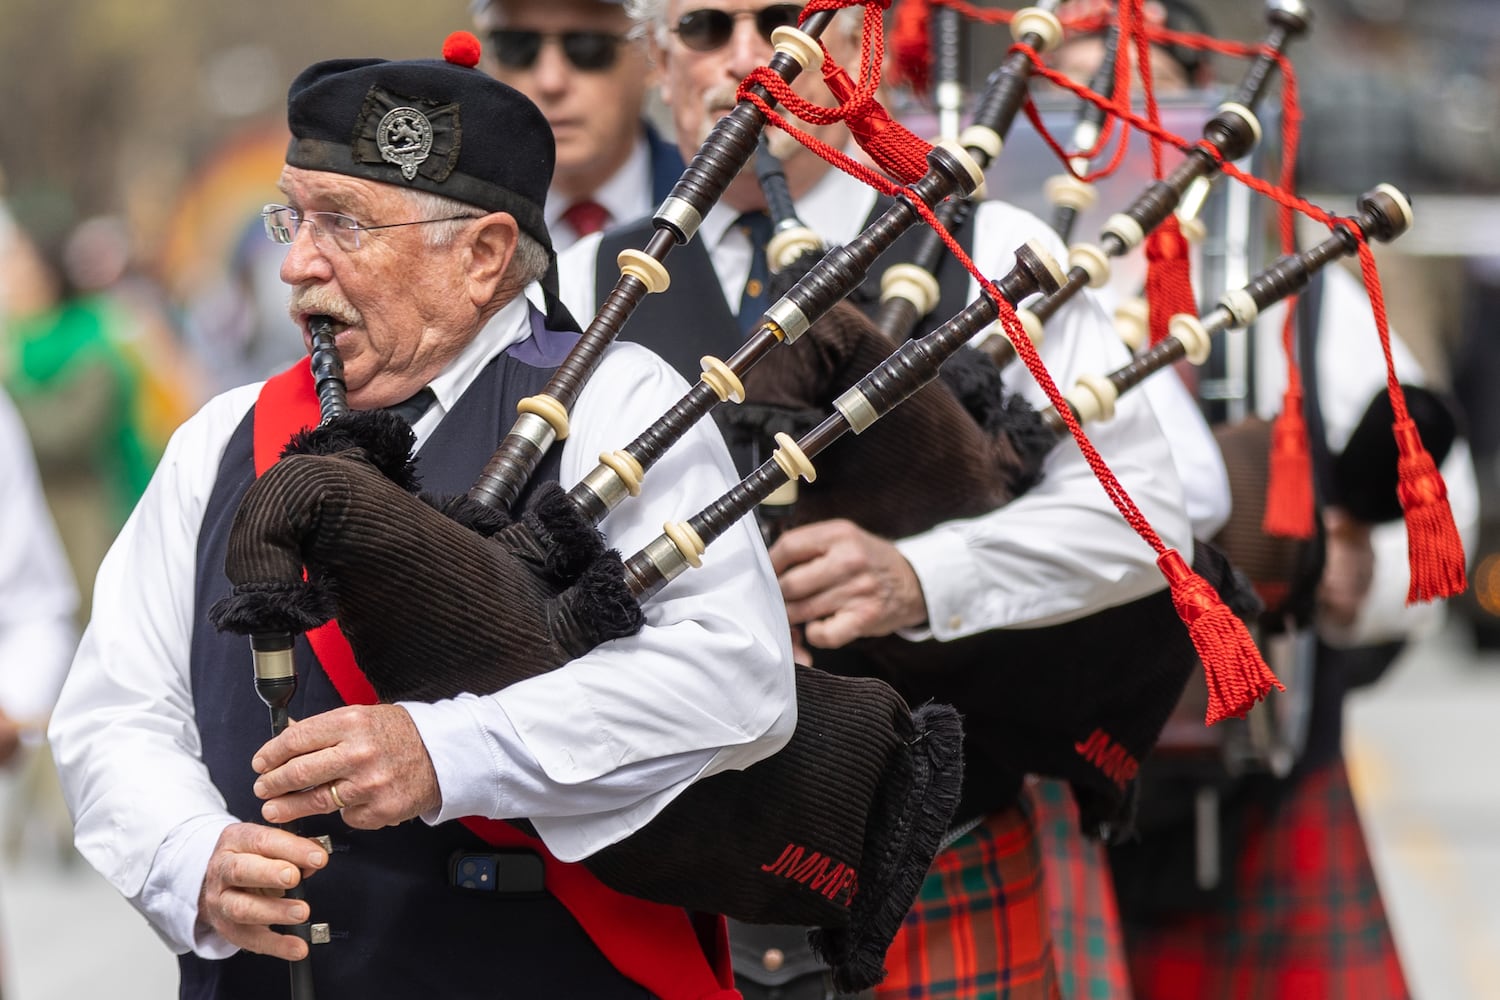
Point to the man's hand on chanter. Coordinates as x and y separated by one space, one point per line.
251 867
365 761
842 583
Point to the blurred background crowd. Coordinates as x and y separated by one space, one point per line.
141 140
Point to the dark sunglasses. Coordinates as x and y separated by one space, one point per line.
589 51
708 28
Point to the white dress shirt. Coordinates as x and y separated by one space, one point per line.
1062 550
589 752
37 594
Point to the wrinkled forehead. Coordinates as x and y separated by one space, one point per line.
329 191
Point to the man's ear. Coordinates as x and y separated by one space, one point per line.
491 247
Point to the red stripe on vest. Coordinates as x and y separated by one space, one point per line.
648 943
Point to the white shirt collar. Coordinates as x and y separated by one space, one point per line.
511 325
835 208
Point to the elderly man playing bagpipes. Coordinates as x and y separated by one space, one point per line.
413 212
605 763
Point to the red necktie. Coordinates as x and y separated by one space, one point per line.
586 217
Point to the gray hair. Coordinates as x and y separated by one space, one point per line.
527 265
650 19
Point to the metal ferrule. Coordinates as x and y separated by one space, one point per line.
273 664
607 485
534 429
788 318
663 554
1191 203
1219 320
856 409
680 216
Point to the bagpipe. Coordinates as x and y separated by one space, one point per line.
969 447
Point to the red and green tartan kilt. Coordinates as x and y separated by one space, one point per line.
1088 945
979 926
1304 920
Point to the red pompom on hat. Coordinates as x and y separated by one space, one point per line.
462 48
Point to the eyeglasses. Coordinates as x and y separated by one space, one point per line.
283 221
709 28
588 51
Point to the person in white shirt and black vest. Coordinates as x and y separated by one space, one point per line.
1012 568
414 212
580 65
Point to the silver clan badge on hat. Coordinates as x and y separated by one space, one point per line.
404 137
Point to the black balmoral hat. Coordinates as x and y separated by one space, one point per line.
437 125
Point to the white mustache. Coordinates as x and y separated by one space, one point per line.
317 300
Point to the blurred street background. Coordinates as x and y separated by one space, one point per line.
142 137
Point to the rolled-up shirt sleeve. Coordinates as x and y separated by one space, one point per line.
1062 550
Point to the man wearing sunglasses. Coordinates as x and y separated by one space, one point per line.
577 63
412 216
1059 553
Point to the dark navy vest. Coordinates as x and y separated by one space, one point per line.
691 318
398 928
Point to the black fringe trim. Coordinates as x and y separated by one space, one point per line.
273 607
600 607
975 379
385 439
912 838
479 518
570 541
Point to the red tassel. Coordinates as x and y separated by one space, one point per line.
911 49
1169 277
1433 548
892 147
1289 493
1237 676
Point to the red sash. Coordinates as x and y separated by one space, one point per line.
649 943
